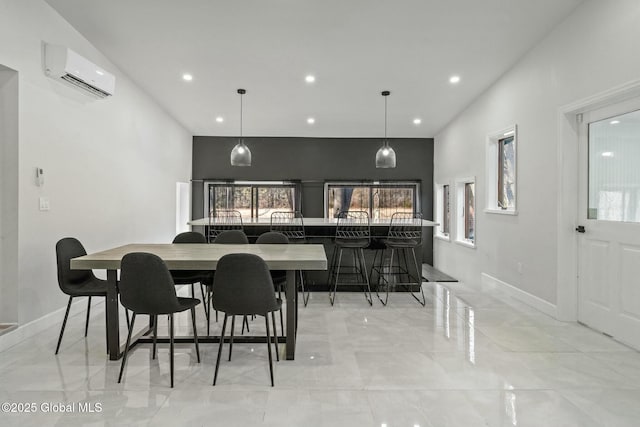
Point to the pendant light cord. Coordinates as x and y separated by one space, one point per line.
241 116
386 142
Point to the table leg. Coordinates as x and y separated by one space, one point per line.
113 324
291 314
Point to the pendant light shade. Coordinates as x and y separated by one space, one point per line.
385 157
241 155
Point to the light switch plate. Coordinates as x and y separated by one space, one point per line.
44 204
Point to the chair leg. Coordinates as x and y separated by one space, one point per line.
126 315
233 326
419 279
305 294
126 347
204 301
209 310
266 322
195 332
193 295
335 284
275 335
224 327
155 336
366 277
64 324
245 321
281 323
171 346
388 279
86 324
106 322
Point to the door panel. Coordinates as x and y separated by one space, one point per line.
629 279
609 209
595 295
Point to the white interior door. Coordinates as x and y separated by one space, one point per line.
609 211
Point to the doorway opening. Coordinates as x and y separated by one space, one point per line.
9 292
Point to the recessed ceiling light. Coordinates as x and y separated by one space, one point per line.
614 122
454 79
310 78
187 77
417 121
219 119
311 120
607 154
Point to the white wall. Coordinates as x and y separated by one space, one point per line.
594 50
111 165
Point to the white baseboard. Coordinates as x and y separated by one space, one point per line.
22 332
536 302
78 306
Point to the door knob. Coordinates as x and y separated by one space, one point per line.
580 229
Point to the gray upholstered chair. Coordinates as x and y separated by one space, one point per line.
76 283
291 224
231 237
242 287
191 277
146 287
279 277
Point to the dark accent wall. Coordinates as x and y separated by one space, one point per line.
313 161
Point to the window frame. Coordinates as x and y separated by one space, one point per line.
440 217
494 169
461 212
255 186
417 206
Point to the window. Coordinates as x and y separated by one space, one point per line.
614 178
443 211
466 208
501 171
253 199
379 199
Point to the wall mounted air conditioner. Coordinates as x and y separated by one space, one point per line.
63 63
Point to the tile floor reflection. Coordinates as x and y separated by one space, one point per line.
469 358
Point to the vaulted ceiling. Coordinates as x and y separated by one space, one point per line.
354 48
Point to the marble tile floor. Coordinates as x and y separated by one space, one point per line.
469 358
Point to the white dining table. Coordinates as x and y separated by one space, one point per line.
204 256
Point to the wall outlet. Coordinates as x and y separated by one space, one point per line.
44 204
519 266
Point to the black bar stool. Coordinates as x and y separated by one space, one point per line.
223 220
353 233
405 234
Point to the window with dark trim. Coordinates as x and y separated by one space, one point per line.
253 199
379 199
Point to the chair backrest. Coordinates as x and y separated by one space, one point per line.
190 237
243 285
406 226
289 223
272 237
231 237
146 286
66 249
353 225
222 220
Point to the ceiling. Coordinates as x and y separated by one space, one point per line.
354 48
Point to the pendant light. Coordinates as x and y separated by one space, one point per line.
241 155
385 157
